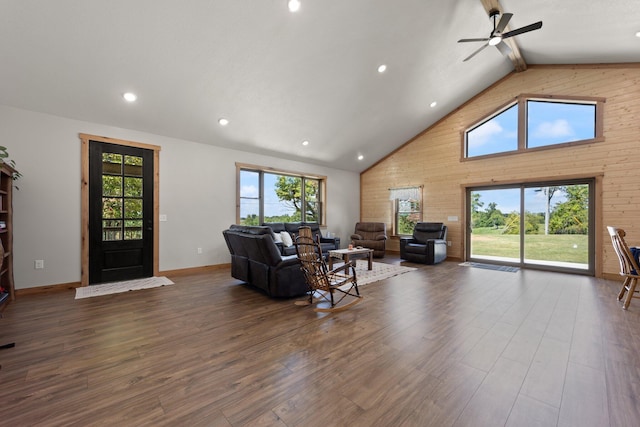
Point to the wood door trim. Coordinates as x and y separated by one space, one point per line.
84 139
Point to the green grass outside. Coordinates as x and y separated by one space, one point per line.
554 247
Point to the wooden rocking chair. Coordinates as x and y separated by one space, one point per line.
338 287
628 265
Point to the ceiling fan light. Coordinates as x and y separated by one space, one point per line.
493 41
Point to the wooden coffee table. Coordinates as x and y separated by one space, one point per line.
346 254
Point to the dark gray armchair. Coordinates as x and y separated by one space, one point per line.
428 244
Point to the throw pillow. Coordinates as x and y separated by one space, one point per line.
286 238
277 238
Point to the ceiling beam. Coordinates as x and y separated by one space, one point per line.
515 56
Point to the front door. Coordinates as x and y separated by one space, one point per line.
120 212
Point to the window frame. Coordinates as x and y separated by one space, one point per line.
395 202
262 170
521 103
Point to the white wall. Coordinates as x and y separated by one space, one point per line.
197 193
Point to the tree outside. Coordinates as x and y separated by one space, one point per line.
557 231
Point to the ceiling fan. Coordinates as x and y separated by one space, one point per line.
496 38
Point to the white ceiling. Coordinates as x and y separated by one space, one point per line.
282 77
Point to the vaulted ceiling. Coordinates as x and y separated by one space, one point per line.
282 78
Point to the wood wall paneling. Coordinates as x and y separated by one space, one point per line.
433 158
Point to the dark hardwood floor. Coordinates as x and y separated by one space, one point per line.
442 345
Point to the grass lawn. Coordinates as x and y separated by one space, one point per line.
554 247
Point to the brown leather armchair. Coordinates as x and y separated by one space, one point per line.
372 235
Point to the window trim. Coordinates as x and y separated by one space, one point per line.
521 102
322 193
395 203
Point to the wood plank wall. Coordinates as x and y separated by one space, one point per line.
433 158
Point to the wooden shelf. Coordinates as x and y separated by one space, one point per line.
6 234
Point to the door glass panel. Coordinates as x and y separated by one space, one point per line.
111 208
114 193
495 224
111 230
111 164
557 226
111 186
132 187
133 229
132 208
133 166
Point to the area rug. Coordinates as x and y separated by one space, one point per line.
491 266
118 287
379 272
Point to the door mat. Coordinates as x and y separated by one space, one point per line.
495 267
118 287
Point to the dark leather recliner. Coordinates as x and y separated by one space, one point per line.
372 235
428 244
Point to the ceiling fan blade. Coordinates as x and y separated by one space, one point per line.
504 20
475 53
472 40
504 48
526 29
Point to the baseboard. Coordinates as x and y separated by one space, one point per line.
73 285
47 288
194 270
612 276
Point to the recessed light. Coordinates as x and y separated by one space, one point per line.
433 104
638 34
129 96
223 121
305 142
360 157
382 68
294 5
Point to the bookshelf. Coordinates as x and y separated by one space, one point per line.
7 290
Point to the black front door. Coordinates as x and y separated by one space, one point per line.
120 212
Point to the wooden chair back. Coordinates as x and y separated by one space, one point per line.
321 280
629 268
311 260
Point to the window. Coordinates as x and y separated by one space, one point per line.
535 122
407 209
265 195
499 134
550 123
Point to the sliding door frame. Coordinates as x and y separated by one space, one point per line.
595 219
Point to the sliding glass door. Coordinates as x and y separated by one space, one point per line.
541 225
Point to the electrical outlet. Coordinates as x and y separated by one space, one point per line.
39 263
199 250
448 242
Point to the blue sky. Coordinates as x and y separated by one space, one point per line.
250 187
508 200
548 123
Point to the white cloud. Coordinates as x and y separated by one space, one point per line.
481 135
556 129
249 191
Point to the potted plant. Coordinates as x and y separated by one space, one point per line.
4 156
